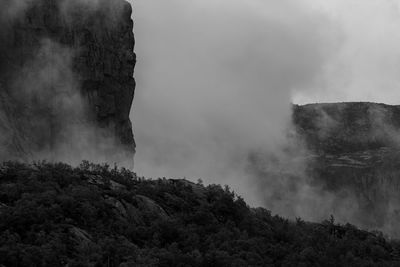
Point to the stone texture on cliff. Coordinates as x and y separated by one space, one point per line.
59 58
353 150
347 127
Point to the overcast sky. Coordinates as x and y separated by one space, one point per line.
367 62
363 66
216 78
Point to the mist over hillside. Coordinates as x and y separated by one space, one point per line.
216 83
342 159
94 215
355 148
218 80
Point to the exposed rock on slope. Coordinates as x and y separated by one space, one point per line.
66 74
55 215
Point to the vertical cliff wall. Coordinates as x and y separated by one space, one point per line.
354 155
66 79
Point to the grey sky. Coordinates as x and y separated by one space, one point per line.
216 78
367 63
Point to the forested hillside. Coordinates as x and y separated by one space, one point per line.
94 215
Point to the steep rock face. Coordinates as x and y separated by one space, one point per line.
354 151
66 74
347 127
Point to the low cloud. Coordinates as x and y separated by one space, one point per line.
215 84
366 64
216 81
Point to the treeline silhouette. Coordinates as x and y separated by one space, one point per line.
97 215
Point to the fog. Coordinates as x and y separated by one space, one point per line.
215 84
366 64
216 80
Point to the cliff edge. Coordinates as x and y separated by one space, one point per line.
66 79
354 152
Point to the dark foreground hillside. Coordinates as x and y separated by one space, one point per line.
56 215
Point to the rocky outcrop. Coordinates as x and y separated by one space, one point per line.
354 151
66 76
140 210
80 236
153 210
347 127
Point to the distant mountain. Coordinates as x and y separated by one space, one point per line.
355 150
56 215
348 127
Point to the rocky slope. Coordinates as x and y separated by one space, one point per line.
66 73
355 153
56 215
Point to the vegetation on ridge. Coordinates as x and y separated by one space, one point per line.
94 215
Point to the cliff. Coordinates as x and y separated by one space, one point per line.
348 127
354 152
66 79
